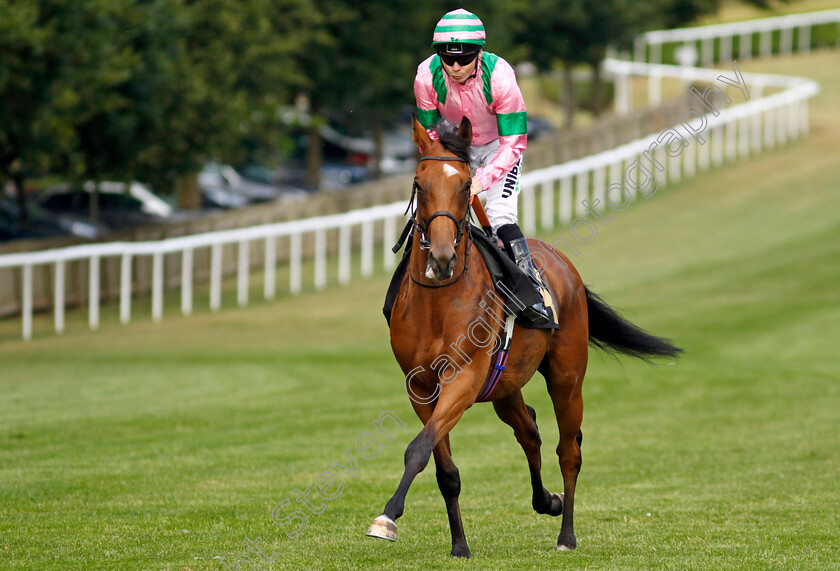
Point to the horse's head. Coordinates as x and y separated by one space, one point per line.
442 184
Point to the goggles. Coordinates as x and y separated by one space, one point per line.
462 60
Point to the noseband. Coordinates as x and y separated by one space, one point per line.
422 228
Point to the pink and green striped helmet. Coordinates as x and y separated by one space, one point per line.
459 27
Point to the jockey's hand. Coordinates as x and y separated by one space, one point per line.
475 186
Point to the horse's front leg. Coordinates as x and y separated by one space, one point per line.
453 400
416 457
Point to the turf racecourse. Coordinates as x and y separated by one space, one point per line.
164 446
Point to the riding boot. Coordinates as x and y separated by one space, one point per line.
516 246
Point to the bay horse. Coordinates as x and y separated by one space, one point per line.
446 286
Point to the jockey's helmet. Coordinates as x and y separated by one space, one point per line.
459 32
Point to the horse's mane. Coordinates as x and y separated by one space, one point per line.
448 137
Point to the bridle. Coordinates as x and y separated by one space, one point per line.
422 227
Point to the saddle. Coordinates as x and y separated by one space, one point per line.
511 283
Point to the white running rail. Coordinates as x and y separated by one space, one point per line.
648 46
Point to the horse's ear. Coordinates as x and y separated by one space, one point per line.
420 136
465 129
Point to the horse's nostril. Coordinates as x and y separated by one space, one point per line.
438 270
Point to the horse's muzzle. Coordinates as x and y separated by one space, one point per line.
440 271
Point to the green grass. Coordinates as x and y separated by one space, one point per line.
162 446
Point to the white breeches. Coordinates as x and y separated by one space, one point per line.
502 197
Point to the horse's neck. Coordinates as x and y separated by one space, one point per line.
450 309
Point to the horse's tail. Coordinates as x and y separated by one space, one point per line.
610 331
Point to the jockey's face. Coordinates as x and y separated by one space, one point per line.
460 73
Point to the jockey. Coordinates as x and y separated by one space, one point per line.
462 80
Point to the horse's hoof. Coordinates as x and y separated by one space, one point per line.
556 505
552 506
383 527
566 543
460 551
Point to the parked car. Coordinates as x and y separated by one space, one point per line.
11 227
398 150
539 128
334 175
42 223
215 177
120 205
348 151
220 197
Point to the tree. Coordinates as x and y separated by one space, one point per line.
579 33
364 71
141 88
676 13
48 69
214 75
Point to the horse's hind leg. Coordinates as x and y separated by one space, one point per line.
564 381
523 419
449 482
